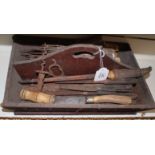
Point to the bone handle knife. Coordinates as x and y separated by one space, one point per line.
124 100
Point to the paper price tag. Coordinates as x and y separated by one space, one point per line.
101 74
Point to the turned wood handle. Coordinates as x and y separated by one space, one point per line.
36 97
125 100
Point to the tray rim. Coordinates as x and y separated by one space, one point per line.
6 101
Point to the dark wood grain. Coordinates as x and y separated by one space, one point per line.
73 105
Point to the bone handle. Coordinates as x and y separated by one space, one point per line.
36 97
124 100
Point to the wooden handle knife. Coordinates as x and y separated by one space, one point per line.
124 100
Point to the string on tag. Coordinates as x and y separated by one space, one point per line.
103 72
102 54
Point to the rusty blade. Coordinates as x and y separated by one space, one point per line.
95 87
131 73
88 87
80 93
131 81
60 78
88 78
84 93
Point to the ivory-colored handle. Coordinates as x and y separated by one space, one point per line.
111 75
125 100
36 97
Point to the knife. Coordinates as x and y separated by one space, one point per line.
39 97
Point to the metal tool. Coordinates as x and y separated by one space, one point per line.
128 73
88 87
42 73
118 76
39 97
